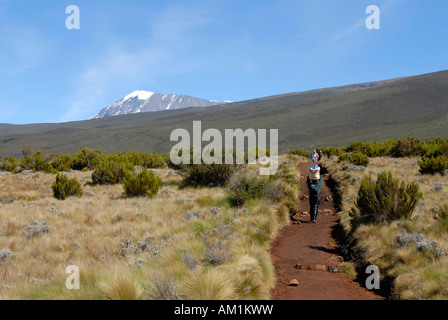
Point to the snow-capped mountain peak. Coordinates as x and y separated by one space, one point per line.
146 101
140 95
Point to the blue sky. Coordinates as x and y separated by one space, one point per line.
212 49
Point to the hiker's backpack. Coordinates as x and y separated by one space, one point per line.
314 172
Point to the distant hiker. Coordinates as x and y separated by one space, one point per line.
320 155
314 182
315 156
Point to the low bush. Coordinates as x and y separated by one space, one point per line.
111 169
10 164
357 158
207 174
387 199
86 158
62 163
65 187
407 148
246 187
443 213
433 165
145 183
38 161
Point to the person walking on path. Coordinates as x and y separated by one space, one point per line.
321 155
314 182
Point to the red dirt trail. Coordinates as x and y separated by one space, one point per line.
299 248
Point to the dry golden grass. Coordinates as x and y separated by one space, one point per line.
120 244
419 274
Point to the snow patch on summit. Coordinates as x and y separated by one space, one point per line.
140 94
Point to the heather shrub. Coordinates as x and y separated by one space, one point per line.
65 187
356 158
153 161
387 198
111 169
62 163
435 148
443 213
332 151
86 158
433 165
10 164
407 148
38 161
207 174
145 183
246 187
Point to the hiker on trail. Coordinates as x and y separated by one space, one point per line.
314 182
320 155
315 156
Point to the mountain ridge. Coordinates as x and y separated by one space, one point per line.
410 106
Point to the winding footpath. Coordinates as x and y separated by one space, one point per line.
308 253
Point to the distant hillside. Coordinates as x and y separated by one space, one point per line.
412 106
145 101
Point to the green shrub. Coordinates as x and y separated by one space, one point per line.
86 158
443 213
431 165
332 151
65 187
207 174
246 187
62 163
359 159
10 164
356 158
407 148
111 169
435 148
153 161
387 198
145 183
38 161
204 174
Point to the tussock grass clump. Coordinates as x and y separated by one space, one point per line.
64 187
388 198
122 287
145 183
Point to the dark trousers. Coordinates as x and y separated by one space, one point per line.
314 208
